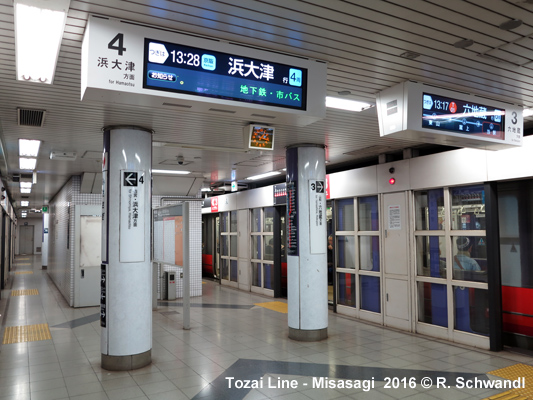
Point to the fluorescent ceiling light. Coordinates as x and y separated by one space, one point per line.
261 176
528 112
344 104
205 189
24 203
23 216
167 171
29 148
25 185
23 190
27 163
38 34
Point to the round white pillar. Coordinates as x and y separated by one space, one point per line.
307 275
126 282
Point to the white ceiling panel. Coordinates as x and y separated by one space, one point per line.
362 42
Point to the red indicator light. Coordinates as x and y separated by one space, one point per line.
392 181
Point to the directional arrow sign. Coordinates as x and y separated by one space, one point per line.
319 187
130 179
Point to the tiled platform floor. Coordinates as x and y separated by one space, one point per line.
230 338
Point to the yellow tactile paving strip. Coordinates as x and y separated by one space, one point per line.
24 292
512 373
23 272
274 306
26 333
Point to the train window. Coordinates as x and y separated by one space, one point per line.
256 247
224 245
234 221
470 258
269 219
369 253
233 245
370 293
224 267
468 208
368 213
346 289
224 224
233 270
429 210
268 270
471 310
345 215
431 256
432 304
256 220
346 252
256 274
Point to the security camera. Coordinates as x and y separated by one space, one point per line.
180 160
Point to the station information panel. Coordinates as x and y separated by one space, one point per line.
418 111
178 68
127 63
465 117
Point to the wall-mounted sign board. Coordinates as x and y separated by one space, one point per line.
132 64
430 114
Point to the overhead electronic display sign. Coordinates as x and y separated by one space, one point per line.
417 111
127 63
184 69
464 117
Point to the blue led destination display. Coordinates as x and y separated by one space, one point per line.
443 113
184 69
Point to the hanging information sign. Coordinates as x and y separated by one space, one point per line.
158 67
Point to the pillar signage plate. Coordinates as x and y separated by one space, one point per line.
292 220
153 65
105 227
317 217
103 294
132 216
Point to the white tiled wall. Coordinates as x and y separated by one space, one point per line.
61 235
61 231
58 234
195 247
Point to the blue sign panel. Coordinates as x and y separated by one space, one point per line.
184 69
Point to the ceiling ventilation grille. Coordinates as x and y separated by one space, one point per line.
27 117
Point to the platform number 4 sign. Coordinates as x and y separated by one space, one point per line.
117 43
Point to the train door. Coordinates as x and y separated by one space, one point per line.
331 252
396 260
3 265
87 257
282 210
26 239
515 211
216 238
210 246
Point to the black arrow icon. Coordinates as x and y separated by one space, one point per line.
130 178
